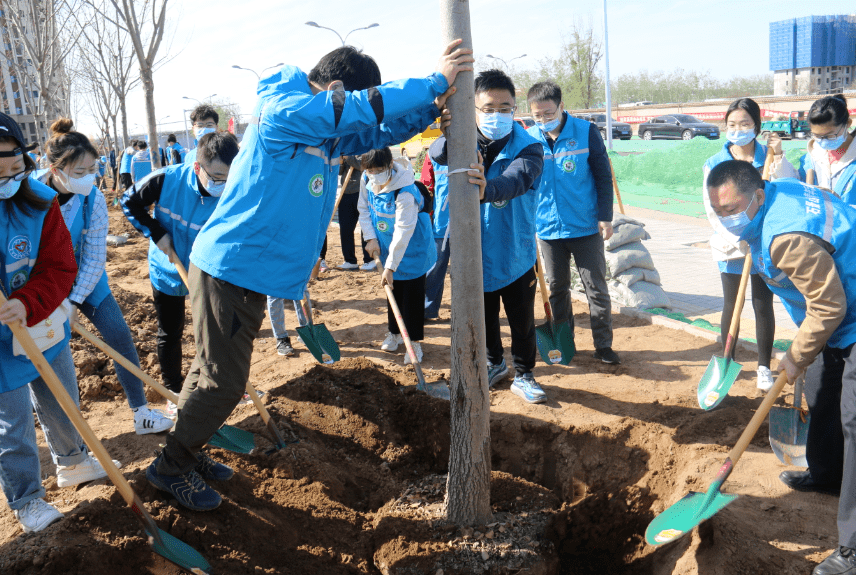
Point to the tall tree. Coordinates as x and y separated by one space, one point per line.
575 69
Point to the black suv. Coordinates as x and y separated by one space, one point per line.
678 127
620 130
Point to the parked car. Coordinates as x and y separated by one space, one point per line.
677 126
620 130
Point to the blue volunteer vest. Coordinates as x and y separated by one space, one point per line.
441 198
421 253
791 206
844 185
20 236
182 211
567 198
125 164
508 227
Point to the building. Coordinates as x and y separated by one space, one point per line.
813 55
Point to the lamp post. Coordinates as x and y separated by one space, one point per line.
315 25
507 67
253 71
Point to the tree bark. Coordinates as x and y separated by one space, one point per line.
468 484
149 90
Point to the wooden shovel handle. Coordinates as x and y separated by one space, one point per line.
182 271
738 304
542 285
615 187
809 177
768 164
757 419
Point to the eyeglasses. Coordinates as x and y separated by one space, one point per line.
205 125
830 137
20 176
546 116
210 179
503 111
740 126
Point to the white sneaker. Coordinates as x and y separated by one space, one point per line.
417 349
348 266
150 421
368 267
391 342
87 470
765 378
36 515
171 410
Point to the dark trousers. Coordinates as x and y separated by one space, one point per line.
410 298
170 313
126 180
762 303
830 389
518 299
323 254
348 218
226 320
591 265
436 280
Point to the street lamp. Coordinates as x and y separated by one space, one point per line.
253 71
507 67
315 25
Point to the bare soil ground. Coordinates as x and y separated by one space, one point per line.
575 480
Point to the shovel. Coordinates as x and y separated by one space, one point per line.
436 389
789 429
694 507
164 544
722 371
555 340
227 437
317 338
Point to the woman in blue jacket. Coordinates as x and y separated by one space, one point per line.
73 165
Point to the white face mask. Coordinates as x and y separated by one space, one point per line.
379 179
81 186
199 132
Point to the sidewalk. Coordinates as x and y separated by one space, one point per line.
690 276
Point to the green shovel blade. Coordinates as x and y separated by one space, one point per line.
681 517
716 381
179 552
555 346
320 342
788 435
233 439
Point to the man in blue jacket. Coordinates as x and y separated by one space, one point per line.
513 161
574 214
803 246
265 234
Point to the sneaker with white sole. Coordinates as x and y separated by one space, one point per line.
496 373
171 410
283 347
526 387
417 349
36 515
87 470
765 378
392 341
148 420
348 266
323 267
368 267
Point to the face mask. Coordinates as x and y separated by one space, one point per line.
215 190
495 126
740 137
830 145
551 125
81 186
736 223
9 189
199 132
379 179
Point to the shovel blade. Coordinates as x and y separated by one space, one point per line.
556 343
716 381
320 342
233 439
439 390
681 517
179 553
788 435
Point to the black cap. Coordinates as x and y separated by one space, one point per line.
10 128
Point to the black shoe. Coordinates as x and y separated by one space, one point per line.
841 562
606 355
802 481
283 347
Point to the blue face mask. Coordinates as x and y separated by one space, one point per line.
830 145
9 189
740 137
495 126
199 132
215 190
736 223
551 125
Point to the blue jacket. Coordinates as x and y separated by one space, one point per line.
576 184
441 199
181 151
20 236
793 207
270 223
125 163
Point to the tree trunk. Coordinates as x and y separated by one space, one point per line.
149 89
468 485
124 113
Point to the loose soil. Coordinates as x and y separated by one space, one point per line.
575 481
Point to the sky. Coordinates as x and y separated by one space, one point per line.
207 37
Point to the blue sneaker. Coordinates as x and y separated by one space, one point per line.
526 387
210 470
496 373
190 490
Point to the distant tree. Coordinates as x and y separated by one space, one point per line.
225 109
681 86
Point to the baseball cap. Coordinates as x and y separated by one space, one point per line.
9 127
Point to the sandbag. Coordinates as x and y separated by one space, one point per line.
633 255
625 234
630 276
641 295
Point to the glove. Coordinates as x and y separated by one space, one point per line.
165 245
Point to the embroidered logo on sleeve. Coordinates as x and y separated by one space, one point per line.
19 247
316 185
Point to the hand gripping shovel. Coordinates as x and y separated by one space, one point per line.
436 389
227 437
789 429
694 507
555 340
722 371
164 544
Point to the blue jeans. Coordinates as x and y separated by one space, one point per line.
276 312
20 472
109 321
435 281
